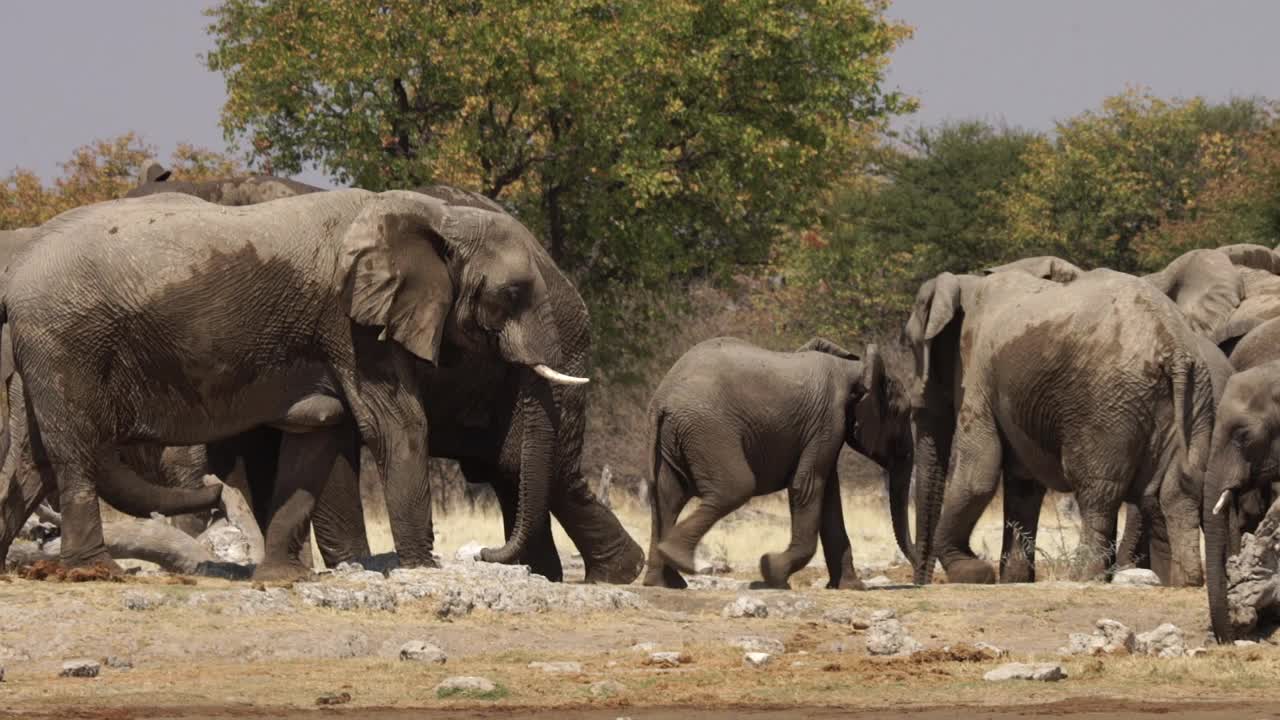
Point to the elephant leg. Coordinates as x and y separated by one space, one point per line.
726 483
975 473
806 521
540 552
76 468
1135 543
22 485
1180 511
666 500
609 553
1023 497
393 424
1156 532
305 463
338 518
836 548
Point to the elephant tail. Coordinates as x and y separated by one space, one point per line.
1192 395
656 416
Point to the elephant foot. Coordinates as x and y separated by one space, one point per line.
775 569
681 558
621 569
281 572
97 565
1016 573
970 571
846 583
664 577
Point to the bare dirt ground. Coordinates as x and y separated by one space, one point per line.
209 648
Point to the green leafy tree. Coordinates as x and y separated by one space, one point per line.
924 205
646 141
1113 175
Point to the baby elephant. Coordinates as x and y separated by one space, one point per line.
731 421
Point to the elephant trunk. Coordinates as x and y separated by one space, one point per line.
1227 468
899 497
133 496
932 453
537 408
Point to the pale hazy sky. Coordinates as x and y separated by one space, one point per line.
76 70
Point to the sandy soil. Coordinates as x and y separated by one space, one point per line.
213 660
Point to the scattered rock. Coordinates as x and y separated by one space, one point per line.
1043 672
995 652
469 551
745 606
137 600
1245 643
877 581
668 659
504 588
756 659
80 668
1110 638
887 636
116 662
466 686
228 543
715 582
557 667
419 651
645 647
791 607
846 616
1197 652
757 643
1165 641
455 604
1136 577
1253 576
606 688
324 595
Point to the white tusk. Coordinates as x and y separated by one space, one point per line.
1222 502
558 377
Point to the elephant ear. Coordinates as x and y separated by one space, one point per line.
1253 256
869 412
1206 287
1046 267
823 345
937 305
393 255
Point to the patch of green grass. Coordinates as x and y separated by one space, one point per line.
498 692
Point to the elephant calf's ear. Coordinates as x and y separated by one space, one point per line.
392 254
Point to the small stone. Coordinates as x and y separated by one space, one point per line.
1136 577
668 659
1244 643
745 606
561 667
1197 652
1110 638
1165 641
877 581
845 616
756 659
1042 672
80 668
116 662
756 643
606 688
419 651
139 601
887 636
469 551
465 685
995 652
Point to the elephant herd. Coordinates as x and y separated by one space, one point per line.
294 338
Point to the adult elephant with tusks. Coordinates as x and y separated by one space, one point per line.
187 322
